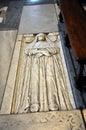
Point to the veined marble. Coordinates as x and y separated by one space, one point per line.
38 78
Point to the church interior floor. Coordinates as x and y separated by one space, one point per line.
13 17
17 21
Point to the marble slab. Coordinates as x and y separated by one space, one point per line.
63 120
15 76
7 40
8 95
38 18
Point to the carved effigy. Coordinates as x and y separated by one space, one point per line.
40 80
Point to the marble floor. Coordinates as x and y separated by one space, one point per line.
7 43
36 2
34 19
13 19
13 15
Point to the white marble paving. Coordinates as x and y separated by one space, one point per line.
38 18
7 40
8 95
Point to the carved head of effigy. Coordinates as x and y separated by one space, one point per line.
29 38
41 37
53 36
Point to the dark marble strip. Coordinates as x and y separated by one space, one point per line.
38 2
13 15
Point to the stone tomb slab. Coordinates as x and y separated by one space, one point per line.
7 42
38 18
57 120
21 93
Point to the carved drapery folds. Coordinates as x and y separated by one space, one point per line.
40 80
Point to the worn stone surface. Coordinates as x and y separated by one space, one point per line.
6 106
49 87
13 15
38 18
7 42
63 120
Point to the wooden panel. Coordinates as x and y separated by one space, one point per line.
75 21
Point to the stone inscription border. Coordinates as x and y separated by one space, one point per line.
57 120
